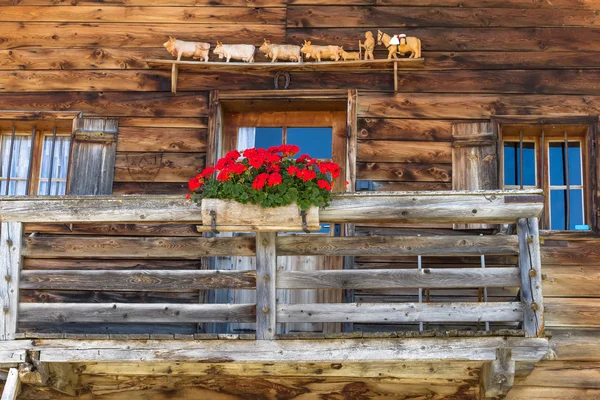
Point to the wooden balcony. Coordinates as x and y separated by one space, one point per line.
497 350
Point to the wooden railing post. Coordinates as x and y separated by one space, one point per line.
266 301
531 277
11 259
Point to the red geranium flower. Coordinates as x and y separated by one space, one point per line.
274 179
194 184
323 184
233 155
260 180
292 170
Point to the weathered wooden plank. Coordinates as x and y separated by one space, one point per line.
498 376
552 393
106 296
564 374
579 252
576 4
151 188
412 278
400 312
91 264
571 281
11 261
166 122
404 129
408 186
161 139
135 247
397 245
475 106
155 280
572 311
12 387
132 313
329 350
58 35
137 3
266 294
116 229
574 344
447 16
402 151
172 15
531 276
404 172
111 103
157 167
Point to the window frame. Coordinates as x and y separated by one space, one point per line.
582 129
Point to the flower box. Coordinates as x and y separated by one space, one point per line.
231 216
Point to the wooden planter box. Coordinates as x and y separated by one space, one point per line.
231 216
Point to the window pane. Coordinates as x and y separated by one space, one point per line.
557 164
317 142
558 209
19 164
267 137
512 162
60 165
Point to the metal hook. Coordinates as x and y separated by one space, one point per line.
213 221
304 226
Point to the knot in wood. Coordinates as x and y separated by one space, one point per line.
534 306
265 242
7 278
532 273
9 242
266 278
6 310
266 310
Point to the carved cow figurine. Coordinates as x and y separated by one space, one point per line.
284 52
319 52
244 52
346 56
179 48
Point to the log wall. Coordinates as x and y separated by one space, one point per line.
483 58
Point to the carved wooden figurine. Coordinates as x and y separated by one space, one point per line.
284 52
244 52
179 48
368 45
320 52
346 56
400 44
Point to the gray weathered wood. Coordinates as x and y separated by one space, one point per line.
497 376
413 207
531 277
93 154
397 245
11 260
406 278
132 313
266 293
136 247
58 376
474 160
144 280
12 387
329 350
400 312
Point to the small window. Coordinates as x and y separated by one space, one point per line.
34 160
551 158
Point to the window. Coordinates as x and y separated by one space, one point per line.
552 158
34 157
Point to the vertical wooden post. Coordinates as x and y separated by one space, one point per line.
531 277
11 259
266 300
498 376
12 387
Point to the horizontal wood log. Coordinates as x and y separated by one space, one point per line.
134 247
133 313
165 122
582 312
577 4
404 129
116 229
151 188
402 207
404 172
574 344
571 281
161 139
329 350
382 279
398 312
134 3
104 296
407 186
91 264
401 151
172 15
155 280
157 167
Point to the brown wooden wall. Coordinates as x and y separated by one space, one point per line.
483 58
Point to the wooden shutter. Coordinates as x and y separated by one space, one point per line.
474 161
93 154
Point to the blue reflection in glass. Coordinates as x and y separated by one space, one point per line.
557 163
317 142
558 208
512 163
267 137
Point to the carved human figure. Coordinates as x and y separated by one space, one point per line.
368 45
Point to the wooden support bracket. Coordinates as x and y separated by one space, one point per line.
58 376
11 259
498 376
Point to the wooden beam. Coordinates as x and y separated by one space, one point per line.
397 245
400 312
326 350
497 376
531 277
58 376
266 293
137 280
133 313
491 206
12 387
409 278
11 261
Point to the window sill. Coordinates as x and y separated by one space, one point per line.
569 235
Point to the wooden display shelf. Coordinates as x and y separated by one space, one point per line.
385 64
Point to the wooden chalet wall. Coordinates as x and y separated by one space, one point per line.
483 58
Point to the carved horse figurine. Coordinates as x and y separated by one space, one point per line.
407 44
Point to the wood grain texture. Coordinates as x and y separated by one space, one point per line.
137 3
11 261
399 151
407 172
266 293
572 312
162 139
404 129
12 387
574 374
105 296
571 281
575 4
157 167
574 344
